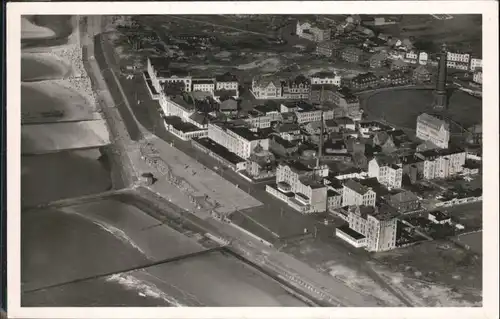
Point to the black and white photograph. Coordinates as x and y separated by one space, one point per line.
257 159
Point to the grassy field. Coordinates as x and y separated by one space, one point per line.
474 240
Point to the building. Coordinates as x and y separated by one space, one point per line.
460 61
378 225
289 131
229 105
421 74
304 112
237 139
179 105
363 81
475 63
183 130
404 201
327 48
305 183
478 76
397 77
296 89
351 236
442 163
227 82
354 193
283 147
257 120
399 65
386 171
261 165
160 73
352 54
266 88
411 57
423 57
378 60
316 32
439 217
203 85
430 128
326 78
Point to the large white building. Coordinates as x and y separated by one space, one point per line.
475 63
326 78
430 128
267 88
310 194
460 61
237 139
423 57
442 163
227 82
353 193
378 225
160 73
478 76
387 173
313 32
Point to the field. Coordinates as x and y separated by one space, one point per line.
401 107
54 176
459 33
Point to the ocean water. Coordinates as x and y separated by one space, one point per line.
37 69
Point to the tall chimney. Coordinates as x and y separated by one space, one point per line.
320 150
440 97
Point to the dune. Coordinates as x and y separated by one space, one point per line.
46 138
31 31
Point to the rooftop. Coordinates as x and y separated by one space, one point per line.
352 233
285 143
245 133
297 166
219 150
226 77
356 186
266 108
311 182
385 212
287 127
402 197
439 215
324 75
432 121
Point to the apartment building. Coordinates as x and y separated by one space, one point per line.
159 75
327 48
179 105
387 173
334 199
296 89
267 88
460 61
430 128
257 120
305 183
404 201
378 225
478 76
411 57
442 163
364 81
227 82
269 110
475 63
397 77
352 55
399 65
354 193
203 85
326 78
316 32
237 139
423 57
289 131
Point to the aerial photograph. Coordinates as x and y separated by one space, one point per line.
251 160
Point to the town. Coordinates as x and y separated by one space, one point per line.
283 160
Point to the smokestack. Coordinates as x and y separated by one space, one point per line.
320 150
440 98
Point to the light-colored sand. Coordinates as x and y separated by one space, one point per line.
198 181
135 228
424 294
362 283
44 138
63 96
32 31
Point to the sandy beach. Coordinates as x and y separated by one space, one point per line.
39 67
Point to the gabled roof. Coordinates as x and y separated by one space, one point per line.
432 121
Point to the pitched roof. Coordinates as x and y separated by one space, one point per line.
432 121
226 77
357 187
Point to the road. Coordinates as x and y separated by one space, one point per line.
146 113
